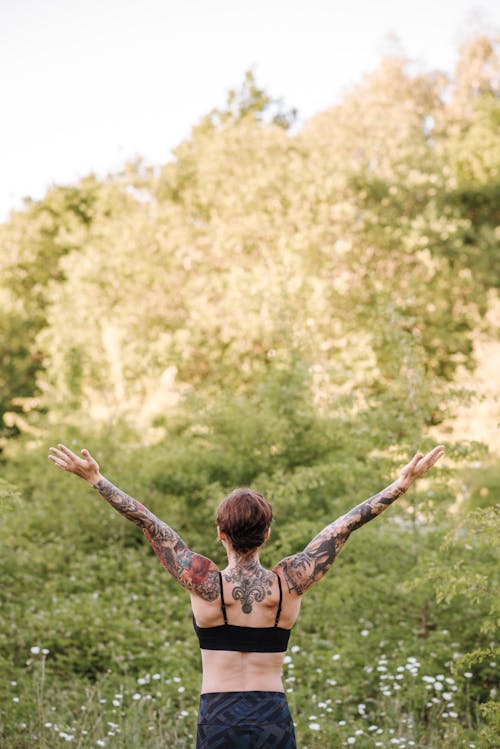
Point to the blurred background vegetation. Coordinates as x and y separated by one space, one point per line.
297 310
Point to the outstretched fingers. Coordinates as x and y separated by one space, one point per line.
411 467
57 457
69 453
433 456
416 459
421 463
63 457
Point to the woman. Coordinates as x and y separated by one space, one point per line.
243 615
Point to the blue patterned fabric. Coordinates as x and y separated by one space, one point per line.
245 720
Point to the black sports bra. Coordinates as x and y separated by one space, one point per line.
244 639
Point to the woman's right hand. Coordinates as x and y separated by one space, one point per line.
85 467
418 465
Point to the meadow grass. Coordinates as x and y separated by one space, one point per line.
409 707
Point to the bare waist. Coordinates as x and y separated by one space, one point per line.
232 671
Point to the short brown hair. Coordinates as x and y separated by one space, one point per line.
244 516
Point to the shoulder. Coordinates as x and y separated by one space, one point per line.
199 575
293 573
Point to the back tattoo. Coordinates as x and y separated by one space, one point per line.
252 584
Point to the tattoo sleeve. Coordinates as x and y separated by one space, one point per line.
193 571
302 570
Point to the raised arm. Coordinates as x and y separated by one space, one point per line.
302 570
193 571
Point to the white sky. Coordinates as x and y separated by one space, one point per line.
87 84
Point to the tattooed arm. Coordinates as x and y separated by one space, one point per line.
302 570
193 571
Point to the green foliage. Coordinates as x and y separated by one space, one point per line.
366 244
474 553
250 101
289 310
489 737
100 617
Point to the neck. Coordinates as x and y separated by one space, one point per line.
246 560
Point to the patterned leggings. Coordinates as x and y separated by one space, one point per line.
244 720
